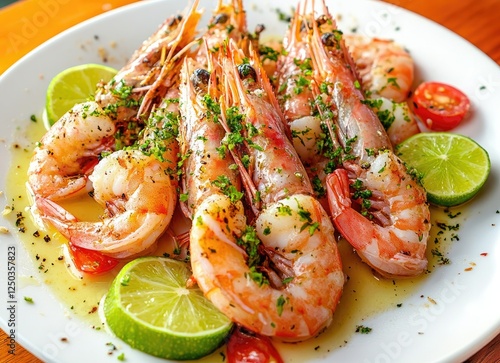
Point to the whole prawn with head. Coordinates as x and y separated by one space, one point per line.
310 136
137 186
67 154
376 203
282 275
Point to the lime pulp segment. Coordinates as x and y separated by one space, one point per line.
74 85
453 167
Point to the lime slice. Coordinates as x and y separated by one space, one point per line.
150 307
453 167
74 85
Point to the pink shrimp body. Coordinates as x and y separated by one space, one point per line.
391 235
57 169
136 186
283 276
397 247
139 200
386 72
67 153
385 68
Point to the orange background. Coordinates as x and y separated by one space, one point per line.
28 23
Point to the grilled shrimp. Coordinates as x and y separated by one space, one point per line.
139 199
385 68
392 230
136 186
393 238
281 276
68 152
386 72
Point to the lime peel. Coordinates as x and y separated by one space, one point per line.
150 307
72 86
453 167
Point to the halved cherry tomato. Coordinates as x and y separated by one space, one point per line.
91 262
439 106
248 347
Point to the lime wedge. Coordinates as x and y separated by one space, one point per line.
453 167
74 85
150 307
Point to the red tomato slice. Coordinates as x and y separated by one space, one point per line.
248 347
439 106
91 262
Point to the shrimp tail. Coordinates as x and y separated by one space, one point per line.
62 220
55 214
352 225
337 187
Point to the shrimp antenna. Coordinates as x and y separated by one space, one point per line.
294 31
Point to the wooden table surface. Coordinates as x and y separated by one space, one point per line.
478 21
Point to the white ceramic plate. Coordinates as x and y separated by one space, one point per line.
466 315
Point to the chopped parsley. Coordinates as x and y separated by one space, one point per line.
318 187
257 276
227 188
393 81
213 108
125 280
364 195
268 53
304 65
280 303
283 16
284 210
363 329
305 216
442 260
250 242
